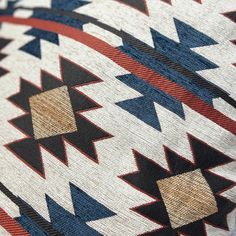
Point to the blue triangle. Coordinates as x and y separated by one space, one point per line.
87 208
143 108
67 223
181 52
33 48
191 37
42 34
68 5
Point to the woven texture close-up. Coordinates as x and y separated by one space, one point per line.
118 117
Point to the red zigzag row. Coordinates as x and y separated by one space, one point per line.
132 66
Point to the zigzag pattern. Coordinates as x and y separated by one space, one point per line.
209 11
72 75
146 122
33 47
3 43
61 221
149 172
190 38
143 107
139 225
81 170
167 124
232 16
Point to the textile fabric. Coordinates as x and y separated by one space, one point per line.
117 117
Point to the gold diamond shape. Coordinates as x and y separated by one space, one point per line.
187 198
52 113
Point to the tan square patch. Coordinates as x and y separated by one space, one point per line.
187 198
52 113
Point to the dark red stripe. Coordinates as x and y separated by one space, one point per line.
11 225
132 66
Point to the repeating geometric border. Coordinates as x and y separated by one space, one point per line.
132 66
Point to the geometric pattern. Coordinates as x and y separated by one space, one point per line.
117 117
3 43
183 217
185 73
187 198
143 107
36 128
52 113
86 209
232 16
33 47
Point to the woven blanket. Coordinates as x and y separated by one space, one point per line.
117 117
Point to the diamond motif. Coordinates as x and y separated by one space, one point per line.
187 198
52 113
